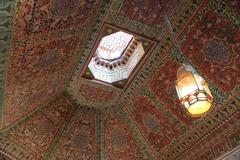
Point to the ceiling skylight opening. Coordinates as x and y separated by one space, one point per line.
116 57
112 46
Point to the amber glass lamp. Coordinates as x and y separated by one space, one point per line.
193 91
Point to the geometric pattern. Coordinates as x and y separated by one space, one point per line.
79 140
119 142
43 54
49 111
216 51
155 126
38 133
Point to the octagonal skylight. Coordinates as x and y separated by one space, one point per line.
112 46
116 56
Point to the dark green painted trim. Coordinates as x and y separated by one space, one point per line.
6 17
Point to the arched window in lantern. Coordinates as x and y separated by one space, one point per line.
193 91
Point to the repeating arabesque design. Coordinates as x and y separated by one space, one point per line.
33 131
30 96
119 141
93 94
36 133
199 129
98 95
172 118
148 12
120 21
99 135
42 17
159 55
217 143
37 60
134 26
206 27
143 107
228 9
159 84
228 110
14 150
42 60
220 96
140 80
36 40
77 81
69 146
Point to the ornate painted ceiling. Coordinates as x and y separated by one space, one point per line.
49 111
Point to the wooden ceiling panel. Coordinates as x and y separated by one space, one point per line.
45 44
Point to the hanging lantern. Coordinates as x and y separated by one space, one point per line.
193 91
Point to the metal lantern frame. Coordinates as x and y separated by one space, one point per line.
200 93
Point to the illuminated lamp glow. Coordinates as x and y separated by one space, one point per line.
193 91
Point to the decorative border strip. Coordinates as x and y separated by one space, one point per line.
158 57
223 9
6 131
100 135
6 16
231 155
14 150
137 135
62 129
224 113
70 123
172 118
142 77
4 153
92 35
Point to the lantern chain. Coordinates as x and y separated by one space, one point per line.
169 25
